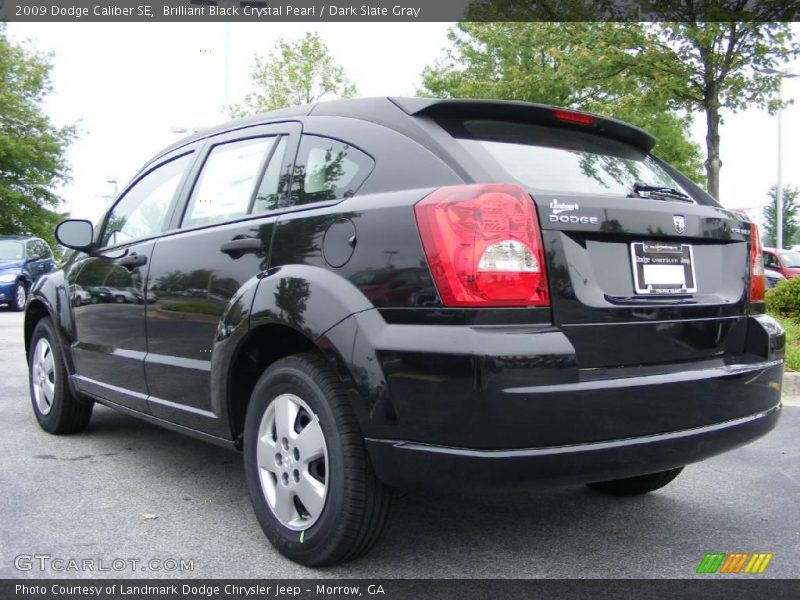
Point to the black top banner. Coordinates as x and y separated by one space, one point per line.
400 10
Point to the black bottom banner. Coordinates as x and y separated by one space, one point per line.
398 589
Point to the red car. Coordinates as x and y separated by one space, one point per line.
786 262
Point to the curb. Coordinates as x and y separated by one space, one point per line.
791 388
791 383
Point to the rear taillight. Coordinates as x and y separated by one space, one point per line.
483 245
756 266
757 283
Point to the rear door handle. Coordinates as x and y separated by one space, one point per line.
132 261
236 247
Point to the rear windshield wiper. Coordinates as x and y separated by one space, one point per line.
645 191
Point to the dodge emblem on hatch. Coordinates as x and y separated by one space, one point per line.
680 223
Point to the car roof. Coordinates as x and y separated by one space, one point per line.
398 113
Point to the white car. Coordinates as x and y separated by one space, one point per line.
79 296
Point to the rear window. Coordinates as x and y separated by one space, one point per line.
559 160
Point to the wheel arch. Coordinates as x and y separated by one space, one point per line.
274 333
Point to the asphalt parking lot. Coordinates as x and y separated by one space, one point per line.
126 489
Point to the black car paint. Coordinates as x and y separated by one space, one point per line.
617 379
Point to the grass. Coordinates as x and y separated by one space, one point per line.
792 328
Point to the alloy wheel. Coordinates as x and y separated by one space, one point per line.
292 459
43 376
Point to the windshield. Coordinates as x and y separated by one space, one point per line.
790 260
561 160
11 250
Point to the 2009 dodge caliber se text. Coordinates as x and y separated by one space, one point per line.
397 292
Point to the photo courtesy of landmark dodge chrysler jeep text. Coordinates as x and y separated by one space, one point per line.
401 292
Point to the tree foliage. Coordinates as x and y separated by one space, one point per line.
295 73
707 67
791 227
32 149
655 75
582 65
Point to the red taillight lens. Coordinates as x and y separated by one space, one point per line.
756 266
483 245
757 283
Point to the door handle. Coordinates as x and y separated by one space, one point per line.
132 261
237 247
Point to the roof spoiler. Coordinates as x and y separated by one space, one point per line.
528 112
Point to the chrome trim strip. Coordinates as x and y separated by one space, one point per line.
178 361
576 448
140 396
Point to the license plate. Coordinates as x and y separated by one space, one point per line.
663 268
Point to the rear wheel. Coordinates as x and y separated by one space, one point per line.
119 299
56 409
633 486
20 297
312 486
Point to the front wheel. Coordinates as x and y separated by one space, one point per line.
54 405
634 486
20 297
310 480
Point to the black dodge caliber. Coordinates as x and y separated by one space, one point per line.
370 294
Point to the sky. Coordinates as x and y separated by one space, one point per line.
129 85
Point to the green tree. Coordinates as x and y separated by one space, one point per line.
791 227
32 149
708 67
294 73
582 65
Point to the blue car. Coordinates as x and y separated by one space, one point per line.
23 259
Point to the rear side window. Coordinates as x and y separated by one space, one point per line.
143 210
327 169
227 184
559 160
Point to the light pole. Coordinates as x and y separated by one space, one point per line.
779 184
113 181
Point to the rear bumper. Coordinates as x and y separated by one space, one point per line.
507 404
409 465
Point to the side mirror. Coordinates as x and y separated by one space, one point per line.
76 234
33 257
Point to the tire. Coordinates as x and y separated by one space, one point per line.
20 297
347 522
634 486
78 301
57 410
119 299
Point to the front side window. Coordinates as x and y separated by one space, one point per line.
143 211
328 169
32 250
45 250
225 188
